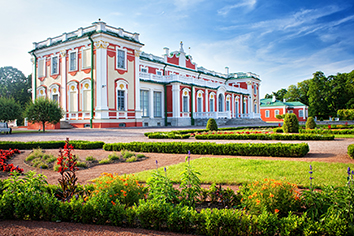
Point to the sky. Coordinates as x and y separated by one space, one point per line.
283 41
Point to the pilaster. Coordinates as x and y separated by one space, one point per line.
137 84
63 87
176 99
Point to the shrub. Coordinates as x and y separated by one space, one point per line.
351 150
90 158
326 131
271 196
131 159
113 156
310 123
40 160
236 149
278 130
291 123
280 117
126 154
211 125
261 136
140 155
105 161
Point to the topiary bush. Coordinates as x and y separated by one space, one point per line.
310 123
211 125
351 150
291 123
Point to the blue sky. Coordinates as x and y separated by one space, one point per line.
282 41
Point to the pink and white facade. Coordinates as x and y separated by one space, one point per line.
119 86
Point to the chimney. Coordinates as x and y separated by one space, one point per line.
227 71
273 99
166 51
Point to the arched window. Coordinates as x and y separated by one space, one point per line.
185 100
54 93
221 102
86 95
200 101
73 96
42 92
228 103
211 102
121 91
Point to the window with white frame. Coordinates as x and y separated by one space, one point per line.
211 103
86 58
199 104
157 104
236 107
221 102
41 68
158 72
144 69
290 111
86 96
255 89
73 97
54 92
121 59
73 61
276 112
120 100
55 65
185 104
267 114
301 113
144 102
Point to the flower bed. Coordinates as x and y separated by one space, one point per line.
326 131
6 155
236 149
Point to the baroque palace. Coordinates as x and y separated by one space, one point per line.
101 78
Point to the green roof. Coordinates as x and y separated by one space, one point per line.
267 102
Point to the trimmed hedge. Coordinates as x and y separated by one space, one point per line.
167 135
273 136
77 144
235 149
326 131
351 150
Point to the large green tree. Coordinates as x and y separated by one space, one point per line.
43 110
298 93
13 83
318 92
279 95
9 109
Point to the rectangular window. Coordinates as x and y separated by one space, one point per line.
41 68
144 102
121 59
267 113
144 70
199 104
157 104
121 100
211 105
158 72
227 105
185 104
290 111
55 65
86 58
301 113
276 112
73 61
55 97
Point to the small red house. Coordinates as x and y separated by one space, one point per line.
270 108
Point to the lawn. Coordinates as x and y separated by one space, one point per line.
235 171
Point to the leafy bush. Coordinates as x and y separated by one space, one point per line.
211 125
271 196
351 150
310 123
132 159
105 161
90 158
166 135
50 144
113 156
291 123
236 149
278 130
346 114
280 117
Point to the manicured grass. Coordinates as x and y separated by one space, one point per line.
26 131
344 136
235 171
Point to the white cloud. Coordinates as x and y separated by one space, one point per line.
249 4
183 4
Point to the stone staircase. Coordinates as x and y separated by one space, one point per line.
233 122
65 125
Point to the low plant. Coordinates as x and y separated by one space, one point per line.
310 123
90 158
351 150
131 159
211 125
37 158
113 156
271 196
105 161
126 154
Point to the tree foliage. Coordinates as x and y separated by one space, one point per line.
10 109
291 123
13 83
279 95
44 110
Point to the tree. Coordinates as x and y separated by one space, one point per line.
291 123
279 95
10 110
318 92
13 83
44 110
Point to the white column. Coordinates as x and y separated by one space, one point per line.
34 90
101 80
151 103
137 84
176 100
63 91
206 100
232 105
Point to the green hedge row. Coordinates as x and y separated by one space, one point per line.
326 131
77 144
351 150
262 136
235 149
166 135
